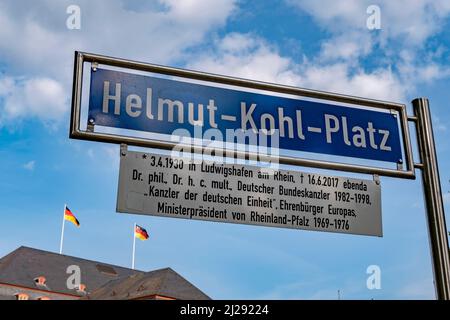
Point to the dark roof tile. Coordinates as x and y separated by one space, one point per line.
162 282
23 265
102 280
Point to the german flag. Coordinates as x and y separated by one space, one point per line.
69 216
140 233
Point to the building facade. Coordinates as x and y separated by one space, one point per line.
32 274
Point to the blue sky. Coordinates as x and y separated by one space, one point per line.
321 45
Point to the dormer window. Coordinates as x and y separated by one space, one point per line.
40 281
81 288
21 296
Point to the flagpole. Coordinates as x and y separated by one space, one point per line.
62 230
134 245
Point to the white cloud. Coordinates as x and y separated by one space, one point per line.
246 56
187 11
238 43
40 45
29 165
250 57
41 98
446 197
398 63
335 15
378 84
424 70
414 20
348 47
411 22
400 44
158 34
35 42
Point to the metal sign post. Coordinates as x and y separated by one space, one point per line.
433 198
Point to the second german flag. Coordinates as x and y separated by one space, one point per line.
69 216
140 233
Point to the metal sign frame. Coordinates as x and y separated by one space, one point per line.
422 121
94 59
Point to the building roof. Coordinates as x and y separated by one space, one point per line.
163 283
102 280
23 265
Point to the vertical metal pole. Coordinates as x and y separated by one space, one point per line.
433 199
62 230
134 245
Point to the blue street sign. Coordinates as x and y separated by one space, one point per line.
137 102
